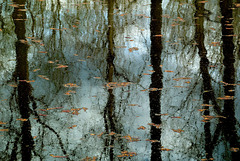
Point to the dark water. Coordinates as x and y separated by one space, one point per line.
119 80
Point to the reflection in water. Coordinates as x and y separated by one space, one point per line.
229 123
22 74
204 63
110 106
81 35
156 78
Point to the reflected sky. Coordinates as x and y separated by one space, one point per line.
119 80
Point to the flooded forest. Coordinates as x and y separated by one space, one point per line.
119 80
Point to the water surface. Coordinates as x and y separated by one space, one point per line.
119 80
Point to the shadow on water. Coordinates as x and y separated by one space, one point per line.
156 78
22 73
229 123
110 106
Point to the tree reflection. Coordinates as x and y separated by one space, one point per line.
22 74
204 63
110 107
24 89
156 78
229 123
